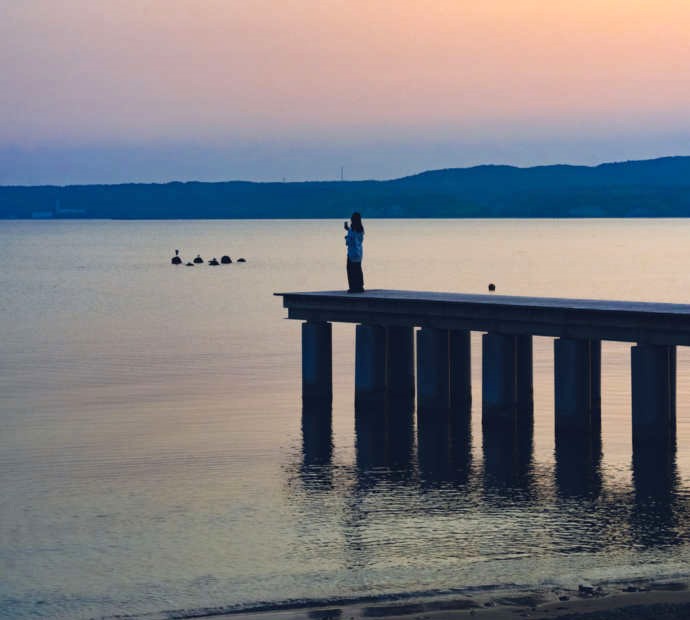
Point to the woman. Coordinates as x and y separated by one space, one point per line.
353 241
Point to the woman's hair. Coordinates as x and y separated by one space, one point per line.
356 220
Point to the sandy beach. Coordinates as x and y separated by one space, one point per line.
668 600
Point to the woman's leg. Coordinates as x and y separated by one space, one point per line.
359 276
351 277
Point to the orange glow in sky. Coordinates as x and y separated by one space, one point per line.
76 71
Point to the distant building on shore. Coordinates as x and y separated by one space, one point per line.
58 213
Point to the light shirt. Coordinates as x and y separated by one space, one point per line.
353 241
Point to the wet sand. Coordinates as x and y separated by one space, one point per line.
630 601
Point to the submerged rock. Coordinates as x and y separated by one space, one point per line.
587 590
241 260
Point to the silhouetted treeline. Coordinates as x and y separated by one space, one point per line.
651 188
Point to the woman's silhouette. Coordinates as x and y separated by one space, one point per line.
353 241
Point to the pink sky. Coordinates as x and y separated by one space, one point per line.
270 88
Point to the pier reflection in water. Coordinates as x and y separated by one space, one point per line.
444 448
385 438
508 452
397 485
658 516
317 446
578 465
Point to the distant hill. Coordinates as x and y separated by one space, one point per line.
650 188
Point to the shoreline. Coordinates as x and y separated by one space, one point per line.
632 599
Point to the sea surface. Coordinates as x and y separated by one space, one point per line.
152 458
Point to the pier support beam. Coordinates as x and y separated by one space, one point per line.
370 365
433 391
506 377
525 372
499 377
459 350
317 364
653 392
595 383
577 377
400 365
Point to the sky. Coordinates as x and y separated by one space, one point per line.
111 91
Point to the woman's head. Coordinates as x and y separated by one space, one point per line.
356 220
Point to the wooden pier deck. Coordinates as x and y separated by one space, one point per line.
627 321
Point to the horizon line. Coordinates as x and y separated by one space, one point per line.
371 180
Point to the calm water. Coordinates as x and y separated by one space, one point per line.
151 448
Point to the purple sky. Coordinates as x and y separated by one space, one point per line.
156 90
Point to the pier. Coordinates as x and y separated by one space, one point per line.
390 323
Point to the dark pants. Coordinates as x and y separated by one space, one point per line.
355 277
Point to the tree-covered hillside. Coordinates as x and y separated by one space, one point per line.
651 188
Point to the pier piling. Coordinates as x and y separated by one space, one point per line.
577 378
459 350
433 369
370 365
499 377
653 380
400 365
506 377
317 363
